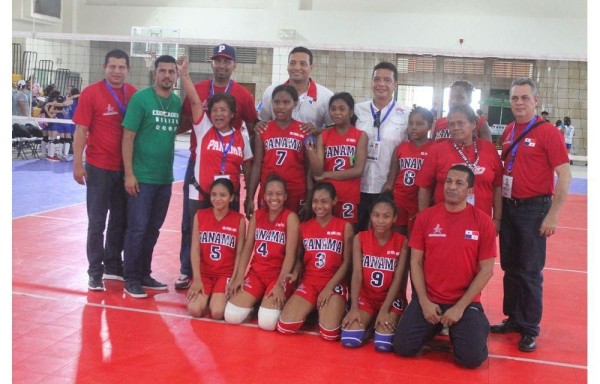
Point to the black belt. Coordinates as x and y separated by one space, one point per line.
529 201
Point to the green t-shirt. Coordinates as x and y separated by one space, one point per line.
155 127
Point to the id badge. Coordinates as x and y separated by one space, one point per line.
373 152
471 199
222 177
507 186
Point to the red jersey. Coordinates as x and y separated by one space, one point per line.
538 153
378 263
284 154
244 101
453 244
218 241
441 131
410 159
488 170
218 154
102 112
269 243
323 249
340 154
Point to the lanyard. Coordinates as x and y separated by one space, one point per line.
225 149
381 120
122 107
465 158
513 153
211 92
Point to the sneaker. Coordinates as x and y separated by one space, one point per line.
65 159
135 290
183 282
95 284
150 283
53 158
113 276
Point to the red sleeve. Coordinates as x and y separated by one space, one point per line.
248 111
85 109
556 148
487 238
417 239
426 177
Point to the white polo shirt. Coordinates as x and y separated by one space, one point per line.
313 105
393 131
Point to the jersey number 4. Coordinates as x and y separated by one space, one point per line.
262 249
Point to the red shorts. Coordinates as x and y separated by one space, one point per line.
214 284
294 202
310 292
258 286
347 211
372 305
406 217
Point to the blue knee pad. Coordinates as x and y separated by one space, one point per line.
383 341
352 338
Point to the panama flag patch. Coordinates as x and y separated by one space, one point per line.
471 235
528 142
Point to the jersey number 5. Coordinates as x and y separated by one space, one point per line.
215 252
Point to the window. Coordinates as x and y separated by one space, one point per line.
412 94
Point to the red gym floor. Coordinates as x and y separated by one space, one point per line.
64 334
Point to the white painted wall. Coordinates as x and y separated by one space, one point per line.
536 29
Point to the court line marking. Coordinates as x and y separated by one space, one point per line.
176 315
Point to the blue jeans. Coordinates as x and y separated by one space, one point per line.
105 192
468 336
522 258
146 213
186 222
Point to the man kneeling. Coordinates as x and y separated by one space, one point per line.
452 258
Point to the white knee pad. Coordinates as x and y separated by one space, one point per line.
235 314
267 318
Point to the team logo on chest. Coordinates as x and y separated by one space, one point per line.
437 232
